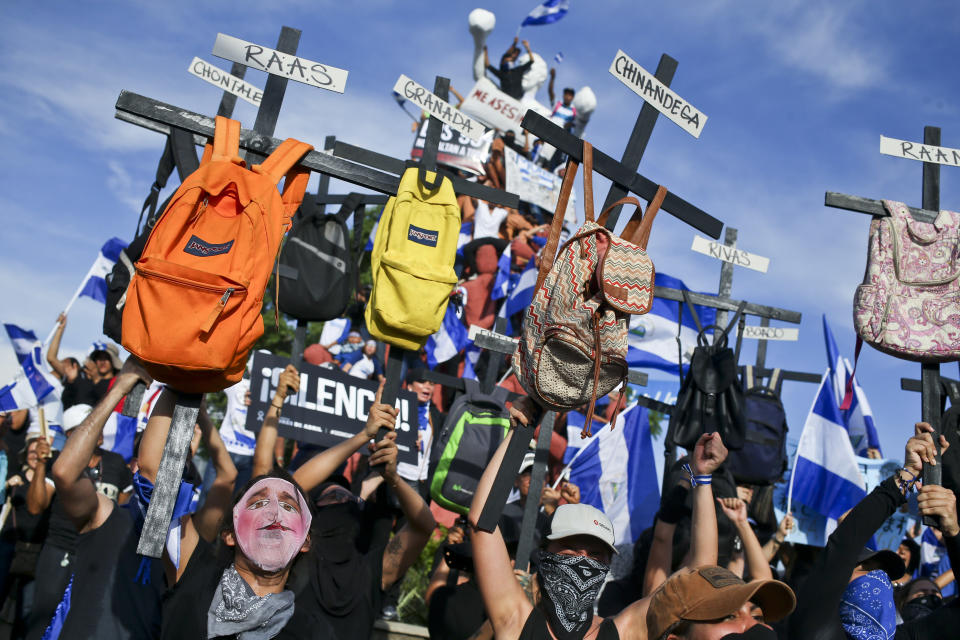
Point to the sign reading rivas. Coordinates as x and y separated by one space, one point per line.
286 65
644 84
919 151
331 407
226 81
732 255
440 109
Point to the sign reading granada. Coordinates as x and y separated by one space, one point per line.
657 94
440 109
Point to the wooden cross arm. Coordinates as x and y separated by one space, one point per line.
158 116
340 198
603 164
393 165
656 405
452 382
871 207
504 344
728 304
796 376
912 384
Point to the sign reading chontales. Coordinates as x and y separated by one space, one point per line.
438 108
661 97
919 151
331 406
226 81
732 255
285 65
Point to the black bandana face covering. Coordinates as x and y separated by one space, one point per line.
920 607
569 586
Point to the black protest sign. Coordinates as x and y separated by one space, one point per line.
330 407
455 149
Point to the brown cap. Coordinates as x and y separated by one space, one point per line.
710 593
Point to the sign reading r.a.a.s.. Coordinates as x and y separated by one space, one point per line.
330 407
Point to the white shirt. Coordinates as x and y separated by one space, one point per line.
233 429
486 223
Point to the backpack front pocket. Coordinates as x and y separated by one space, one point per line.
182 316
413 303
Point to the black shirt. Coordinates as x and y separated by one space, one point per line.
511 80
23 526
456 612
187 603
80 391
13 444
535 628
108 598
100 388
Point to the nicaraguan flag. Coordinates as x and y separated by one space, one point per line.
335 331
616 471
522 295
859 417
502 283
373 235
652 339
448 341
95 286
466 235
559 57
548 12
825 475
119 433
28 350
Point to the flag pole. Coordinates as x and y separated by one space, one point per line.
66 310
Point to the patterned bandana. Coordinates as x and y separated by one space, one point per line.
866 609
569 586
237 610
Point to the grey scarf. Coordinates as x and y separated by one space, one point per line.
237 610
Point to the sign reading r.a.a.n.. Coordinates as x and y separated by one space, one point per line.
286 65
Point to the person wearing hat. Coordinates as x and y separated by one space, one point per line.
77 388
106 359
427 416
574 557
550 498
849 594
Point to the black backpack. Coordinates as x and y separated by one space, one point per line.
710 397
318 271
475 426
950 428
180 154
763 458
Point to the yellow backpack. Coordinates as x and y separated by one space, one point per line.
412 262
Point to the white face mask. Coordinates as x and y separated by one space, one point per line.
271 522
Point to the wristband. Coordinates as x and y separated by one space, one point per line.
695 480
906 487
278 408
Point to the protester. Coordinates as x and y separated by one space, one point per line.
349 351
564 113
550 497
238 441
427 416
106 359
368 366
109 596
510 74
77 388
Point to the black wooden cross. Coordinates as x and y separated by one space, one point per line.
931 406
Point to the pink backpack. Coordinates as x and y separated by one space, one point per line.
573 348
909 302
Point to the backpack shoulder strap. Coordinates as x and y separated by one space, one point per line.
748 380
226 143
736 317
351 205
284 162
549 252
693 311
638 227
776 381
471 386
587 182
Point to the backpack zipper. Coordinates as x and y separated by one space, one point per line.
212 318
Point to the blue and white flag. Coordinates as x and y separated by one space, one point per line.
95 284
335 331
446 343
859 417
652 339
28 350
502 284
548 12
119 432
616 471
466 235
373 235
558 58
825 475
522 295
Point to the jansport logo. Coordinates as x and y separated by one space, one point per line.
198 247
422 236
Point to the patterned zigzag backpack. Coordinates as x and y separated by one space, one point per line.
909 302
573 347
193 307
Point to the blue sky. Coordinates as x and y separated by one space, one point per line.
797 94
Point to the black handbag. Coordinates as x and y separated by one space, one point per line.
711 396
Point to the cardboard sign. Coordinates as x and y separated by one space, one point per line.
771 333
493 107
919 151
739 257
657 94
331 406
455 149
438 108
285 65
226 81
534 184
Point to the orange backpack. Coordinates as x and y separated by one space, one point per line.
193 307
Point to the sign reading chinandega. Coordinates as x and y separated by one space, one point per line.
331 406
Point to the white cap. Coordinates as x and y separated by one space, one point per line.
76 414
581 520
527 462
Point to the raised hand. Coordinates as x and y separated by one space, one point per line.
570 492
289 382
385 453
524 411
734 508
920 449
134 371
708 454
935 500
786 526
381 416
